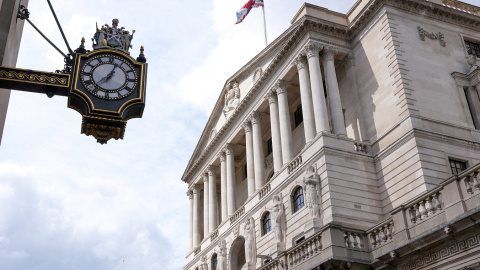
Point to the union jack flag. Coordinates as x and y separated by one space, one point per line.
243 12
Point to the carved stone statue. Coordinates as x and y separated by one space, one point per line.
232 98
278 215
312 192
221 255
249 234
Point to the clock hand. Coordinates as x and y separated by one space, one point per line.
112 72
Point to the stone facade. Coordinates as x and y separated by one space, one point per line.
332 149
10 36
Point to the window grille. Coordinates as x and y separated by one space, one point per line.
457 166
298 199
473 48
266 223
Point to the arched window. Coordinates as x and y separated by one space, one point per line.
298 199
214 262
266 223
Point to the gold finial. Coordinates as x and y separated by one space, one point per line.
133 31
83 39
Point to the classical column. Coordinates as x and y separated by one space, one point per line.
196 215
190 219
333 92
250 165
229 148
212 200
306 98
258 156
223 185
205 205
275 127
285 127
318 93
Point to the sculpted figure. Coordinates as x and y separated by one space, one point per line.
277 217
222 253
249 256
113 37
311 181
232 98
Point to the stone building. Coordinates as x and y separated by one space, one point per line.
10 35
351 142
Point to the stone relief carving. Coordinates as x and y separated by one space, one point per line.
431 35
312 191
472 61
249 235
257 74
213 133
222 255
204 264
232 98
278 218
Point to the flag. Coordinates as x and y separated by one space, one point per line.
243 12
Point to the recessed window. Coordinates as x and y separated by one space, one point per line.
473 48
298 115
457 166
245 171
299 240
269 146
266 223
214 262
298 199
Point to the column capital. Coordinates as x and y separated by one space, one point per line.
256 117
205 176
211 169
221 156
247 126
190 194
196 188
271 97
229 148
312 49
329 53
300 62
281 86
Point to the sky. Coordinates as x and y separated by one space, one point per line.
67 202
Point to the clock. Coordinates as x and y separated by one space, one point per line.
108 76
108 88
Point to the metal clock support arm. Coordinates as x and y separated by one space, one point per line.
60 27
24 14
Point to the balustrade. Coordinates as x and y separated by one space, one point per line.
305 250
296 162
472 183
273 265
426 206
237 214
354 240
264 191
382 233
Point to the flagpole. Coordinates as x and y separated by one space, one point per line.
264 26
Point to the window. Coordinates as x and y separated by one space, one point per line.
457 166
266 223
214 262
298 115
269 146
473 48
297 199
245 171
299 240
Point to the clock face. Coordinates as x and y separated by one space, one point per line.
108 76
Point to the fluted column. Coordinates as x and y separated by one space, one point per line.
249 153
285 127
258 156
318 93
223 185
333 92
212 201
196 215
206 190
306 98
229 148
275 127
190 219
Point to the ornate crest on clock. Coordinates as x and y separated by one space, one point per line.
108 85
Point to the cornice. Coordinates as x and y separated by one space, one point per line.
426 8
